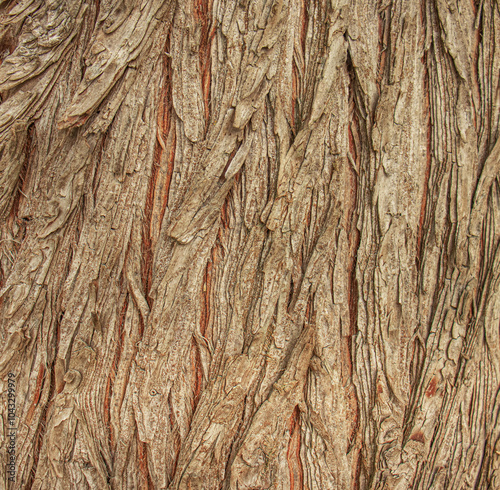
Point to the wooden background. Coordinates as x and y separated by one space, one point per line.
251 244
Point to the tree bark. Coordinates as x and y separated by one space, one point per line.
250 244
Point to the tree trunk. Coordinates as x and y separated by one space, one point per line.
250 244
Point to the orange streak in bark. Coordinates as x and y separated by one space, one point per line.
380 388
146 246
197 371
196 365
432 388
159 184
107 399
202 13
418 436
142 456
38 391
293 454
352 144
305 23
357 473
237 175
58 340
168 134
205 303
165 113
40 432
295 85
224 212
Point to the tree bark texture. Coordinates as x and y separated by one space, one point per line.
251 244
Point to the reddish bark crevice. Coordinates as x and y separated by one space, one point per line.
356 481
423 206
354 235
142 457
107 400
97 11
310 313
159 183
305 24
291 295
146 245
38 391
41 429
293 453
418 436
431 388
202 13
166 105
197 374
162 189
58 386
295 122
205 298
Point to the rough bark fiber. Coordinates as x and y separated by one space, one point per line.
250 244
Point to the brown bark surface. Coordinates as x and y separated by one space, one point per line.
250 244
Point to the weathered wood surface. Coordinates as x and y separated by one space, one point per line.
251 244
